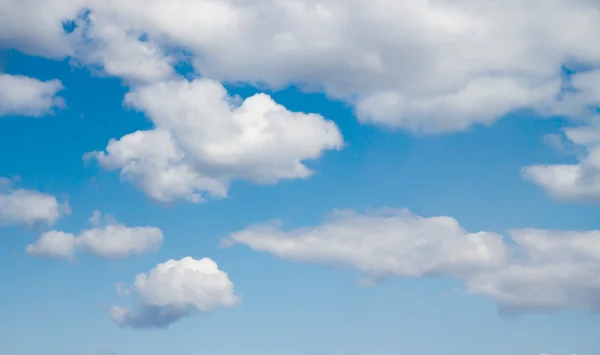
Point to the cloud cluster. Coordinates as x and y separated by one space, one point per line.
203 139
426 66
176 289
526 270
431 66
421 65
111 241
28 207
25 96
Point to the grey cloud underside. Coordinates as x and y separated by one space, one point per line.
147 317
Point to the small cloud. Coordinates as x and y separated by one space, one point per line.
109 241
28 207
176 289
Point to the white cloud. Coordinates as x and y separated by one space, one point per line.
118 241
36 26
28 207
423 65
53 244
536 270
388 242
176 289
118 51
551 270
112 241
25 96
203 140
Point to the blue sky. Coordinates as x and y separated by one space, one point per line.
463 152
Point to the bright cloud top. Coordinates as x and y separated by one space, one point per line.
203 140
25 96
112 241
176 289
28 207
539 270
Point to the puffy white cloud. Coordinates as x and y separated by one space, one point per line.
28 207
25 96
569 182
53 244
203 140
117 50
176 289
112 241
482 101
527 270
423 65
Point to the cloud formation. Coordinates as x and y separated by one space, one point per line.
525 270
203 140
176 289
427 66
423 66
112 241
28 207
25 96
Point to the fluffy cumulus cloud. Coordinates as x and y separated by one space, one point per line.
25 96
204 138
109 46
111 241
28 207
525 270
427 66
176 289
424 65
